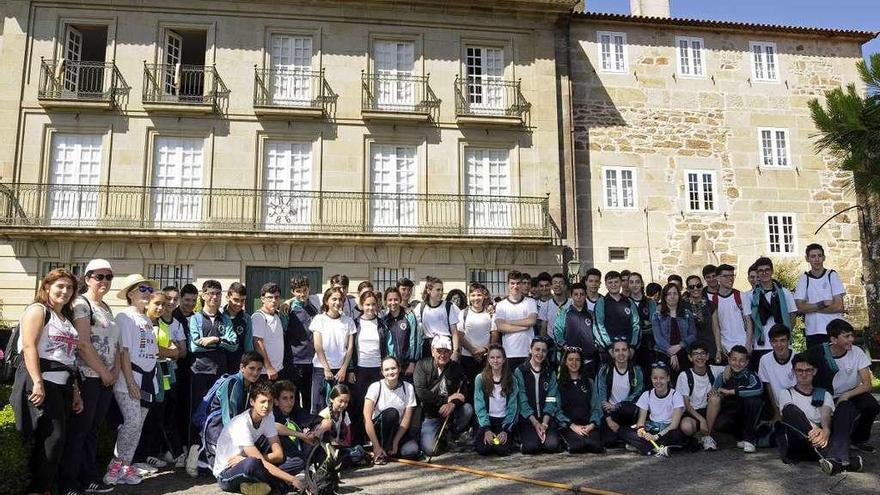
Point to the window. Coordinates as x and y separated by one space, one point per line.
74 177
485 73
764 67
773 143
173 275
494 280
76 268
487 177
700 190
393 188
183 59
291 63
388 277
84 51
781 233
177 170
618 253
287 172
612 51
620 187
394 63
690 56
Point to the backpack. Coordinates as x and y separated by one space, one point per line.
422 312
737 297
200 416
827 275
12 358
689 373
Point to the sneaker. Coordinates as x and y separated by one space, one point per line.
630 448
740 444
180 461
72 492
864 447
98 487
130 476
156 462
255 489
663 451
830 466
192 461
855 464
114 471
749 447
709 443
144 469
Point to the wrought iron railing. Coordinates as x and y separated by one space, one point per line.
81 81
293 88
392 92
184 84
133 208
483 96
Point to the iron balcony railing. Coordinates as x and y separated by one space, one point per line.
134 208
295 88
396 92
184 84
81 81
484 96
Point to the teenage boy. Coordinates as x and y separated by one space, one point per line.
735 401
752 274
732 322
810 424
574 328
189 294
624 282
675 279
710 279
770 303
593 279
299 349
775 370
250 458
291 421
269 331
616 317
236 295
844 370
515 319
558 300
819 296
694 384
617 387
542 291
186 303
405 287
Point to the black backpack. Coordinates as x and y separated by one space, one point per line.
12 359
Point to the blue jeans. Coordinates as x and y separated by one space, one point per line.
461 418
251 470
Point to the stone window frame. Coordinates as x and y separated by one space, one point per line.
600 67
635 188
690 40
777 66
780 216
701 199
618 259
774 148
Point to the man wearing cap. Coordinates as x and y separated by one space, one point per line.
440 386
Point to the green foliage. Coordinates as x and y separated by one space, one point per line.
13 453
786 272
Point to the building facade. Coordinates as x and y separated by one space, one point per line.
254 141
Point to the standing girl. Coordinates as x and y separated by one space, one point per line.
538 402
660 411
437 317
388 413
475 332
495 404
580 433
333 335
673 328
646 307
44 393
404 334
370 347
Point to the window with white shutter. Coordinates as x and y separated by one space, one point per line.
74 178
287 174
691 56
764 61
291 64
394 63
485 74
781 233
620 187
393 187
612 51
774 147
700 186
177 177
487 176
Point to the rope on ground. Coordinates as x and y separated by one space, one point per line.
510 477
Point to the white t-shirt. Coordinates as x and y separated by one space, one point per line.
175 330
57 342
660 409
368 345
516 345
435 321
348 305
804 403
548 311
238 434
476 327
792 308
699 396
105 333
384 398
334 338
730 319
823 288
269 328
780 376
136 335
619 386
497 402
847 378
591 305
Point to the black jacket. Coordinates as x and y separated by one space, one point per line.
427 382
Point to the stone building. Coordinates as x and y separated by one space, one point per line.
252 141
693 144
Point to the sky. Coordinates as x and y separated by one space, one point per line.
839 14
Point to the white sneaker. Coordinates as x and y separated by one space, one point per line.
663 451
144 469
740 444
156 462
749 448
709 443
129 476
192 461
180 461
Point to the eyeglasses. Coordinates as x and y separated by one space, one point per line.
145 289
698 286
101 277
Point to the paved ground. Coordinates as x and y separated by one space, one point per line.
727 471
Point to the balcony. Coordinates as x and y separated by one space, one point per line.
483 100
130 211
296 93
81 85
183 89
397 96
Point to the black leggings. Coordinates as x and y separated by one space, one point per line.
50 435
625 415
674 439
578 444
483 448
531 443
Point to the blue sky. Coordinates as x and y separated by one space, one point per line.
841 14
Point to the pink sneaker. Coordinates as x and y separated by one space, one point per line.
129 476
114 471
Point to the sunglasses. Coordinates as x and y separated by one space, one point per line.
145 289
698 286
101 277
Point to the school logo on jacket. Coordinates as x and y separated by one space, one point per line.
403 325
627 311
588 321
546 386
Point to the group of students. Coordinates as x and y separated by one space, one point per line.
246 397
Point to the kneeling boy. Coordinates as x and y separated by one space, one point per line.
736 401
